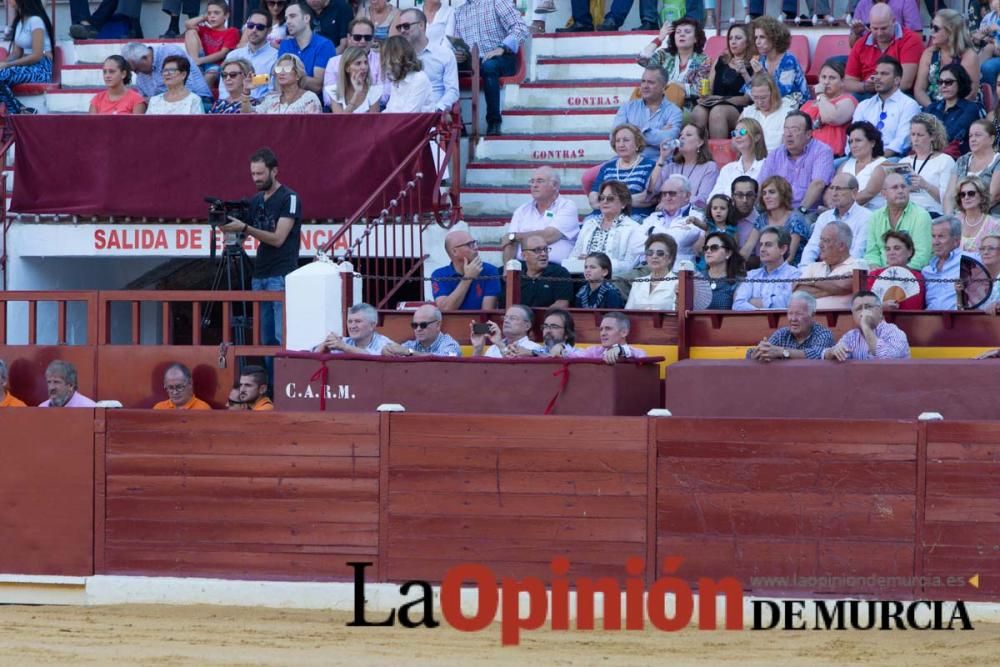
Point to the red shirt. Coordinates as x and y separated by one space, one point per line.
906 48
213 41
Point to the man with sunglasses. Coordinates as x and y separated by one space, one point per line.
886 38
360 34
437 58
889 110
467 283
428 339
258 52
332 20
544 284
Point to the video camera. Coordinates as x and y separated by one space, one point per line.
219 212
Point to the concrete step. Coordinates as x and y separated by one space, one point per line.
582 149
501 202
70 100
557 121
96 50
82 76
583 95
517 174
621 43
592 68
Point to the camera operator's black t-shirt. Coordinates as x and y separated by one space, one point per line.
264 214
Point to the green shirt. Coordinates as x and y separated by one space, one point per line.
915 221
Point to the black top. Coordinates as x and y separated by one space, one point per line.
728 82
264 214
332 22
541 293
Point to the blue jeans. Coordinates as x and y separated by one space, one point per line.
989 71
491 71
271 319
620 9
696 10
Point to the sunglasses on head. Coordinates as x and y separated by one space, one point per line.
362 38
250 25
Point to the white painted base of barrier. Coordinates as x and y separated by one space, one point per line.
335 596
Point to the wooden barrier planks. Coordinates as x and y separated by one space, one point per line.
46 491
514 492
961 523
240 495
792 499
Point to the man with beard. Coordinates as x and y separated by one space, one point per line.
60 376
801 339
744 194
275 220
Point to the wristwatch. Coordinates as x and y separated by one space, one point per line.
803 210
785 353
512 237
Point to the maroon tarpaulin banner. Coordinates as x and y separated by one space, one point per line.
164 166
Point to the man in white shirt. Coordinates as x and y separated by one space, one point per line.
437 58
889 110
550 215
676 217
511 341
258 52
844 208
835 262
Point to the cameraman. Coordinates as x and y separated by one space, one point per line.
275 221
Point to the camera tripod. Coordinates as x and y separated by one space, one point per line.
234 267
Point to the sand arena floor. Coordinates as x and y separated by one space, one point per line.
205 635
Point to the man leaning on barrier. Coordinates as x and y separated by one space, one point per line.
614 345
428 339
801 339
874 338
362 318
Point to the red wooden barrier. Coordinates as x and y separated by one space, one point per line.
27 364
47 491
238 495
141 383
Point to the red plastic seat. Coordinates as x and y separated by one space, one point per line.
800 49
722 151
28 89
715 46
465 79
827 47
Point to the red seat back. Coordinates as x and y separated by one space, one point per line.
715 46
827 47
800 49
722 151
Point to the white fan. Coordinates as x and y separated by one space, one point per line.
896 283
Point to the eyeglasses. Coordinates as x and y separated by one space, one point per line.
547 327
174 388
403 27
839 188
422 325
714 247
989 248
256 26
741 132
284 69
540 250
968 194
607 198
231 75
743 195
656 253
362 38
469 244
669 193
169 70
947 82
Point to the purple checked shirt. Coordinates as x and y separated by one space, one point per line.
892 343
815 164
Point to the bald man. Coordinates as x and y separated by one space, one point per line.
468 283
428 339
885 38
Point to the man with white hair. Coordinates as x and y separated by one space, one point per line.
844 208
147 61
944 269
362 318
7 399
829 279
801 339
675 216
549 214
428 339
60 376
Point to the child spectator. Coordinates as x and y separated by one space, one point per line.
209 41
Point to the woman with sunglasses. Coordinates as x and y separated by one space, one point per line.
382 15
989 253
981 161
658 290
610 231
899 251
598 291
177 99
950 43
865 163
278 32
953 110
236 78
290 97
972 208
833 107
748 140
723 269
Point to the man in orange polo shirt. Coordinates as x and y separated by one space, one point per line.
7 400
180 391
885 38
253 389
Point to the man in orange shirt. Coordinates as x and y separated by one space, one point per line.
180 391
7 400
253 389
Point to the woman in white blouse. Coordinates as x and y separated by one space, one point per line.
769 108
611 231
658 291
354 92
411 89
440 20
177 100
865 164
931 169
748 140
